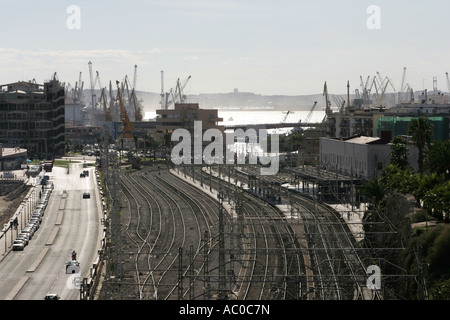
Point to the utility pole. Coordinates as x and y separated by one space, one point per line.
180 273
206 283
222 277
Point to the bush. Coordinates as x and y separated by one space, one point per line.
420 216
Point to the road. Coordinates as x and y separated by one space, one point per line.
70 223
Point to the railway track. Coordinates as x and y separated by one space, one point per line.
165 225
267 247
338 269
175 247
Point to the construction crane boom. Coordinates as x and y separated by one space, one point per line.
285 117
106 110
92 85
128 127
137 109
163 95
448 82
308 117
135 77
327 100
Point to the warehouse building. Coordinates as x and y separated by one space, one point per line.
360 156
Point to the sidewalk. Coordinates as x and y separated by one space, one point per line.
22 213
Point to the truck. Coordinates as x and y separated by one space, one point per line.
48 165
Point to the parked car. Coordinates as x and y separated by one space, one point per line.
18 246
36 222
37 216
24 237
39 212
40 207
29 231
32 226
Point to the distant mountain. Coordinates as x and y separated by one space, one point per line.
247 100
239 100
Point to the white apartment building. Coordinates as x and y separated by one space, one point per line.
361 156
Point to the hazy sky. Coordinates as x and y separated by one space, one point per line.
269 47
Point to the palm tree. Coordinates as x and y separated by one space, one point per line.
421 131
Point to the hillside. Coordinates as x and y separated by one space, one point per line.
240 100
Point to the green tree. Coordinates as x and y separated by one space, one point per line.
399 152
374 191
167 140
437 200
394 178
438 158
421 131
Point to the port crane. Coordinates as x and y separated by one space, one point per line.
327 100
107 111
405 90
163 95
134 77
177 94
137 109
382 86
285 117
448 81
308 117
93 97
128 127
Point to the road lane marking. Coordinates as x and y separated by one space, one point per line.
15 290
38 260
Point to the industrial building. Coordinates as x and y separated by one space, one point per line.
32 117
360 156
184 115
434 106
352 121
399 125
